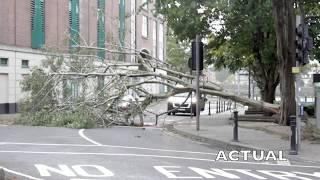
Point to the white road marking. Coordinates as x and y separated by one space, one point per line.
3 125
144 127
19 174
88 139
107 154
110 146
156 156
287 162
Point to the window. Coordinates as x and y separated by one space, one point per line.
122 16
101 28
144 4
25 63
37 23
161 43
144 27
3 61
154 39
74 22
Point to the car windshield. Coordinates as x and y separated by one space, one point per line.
182 95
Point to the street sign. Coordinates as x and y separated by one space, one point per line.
295 70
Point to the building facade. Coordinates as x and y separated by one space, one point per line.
28 27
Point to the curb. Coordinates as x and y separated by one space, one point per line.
228 146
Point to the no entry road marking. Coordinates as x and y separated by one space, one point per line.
19 174
154 156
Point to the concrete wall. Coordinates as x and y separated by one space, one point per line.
15 73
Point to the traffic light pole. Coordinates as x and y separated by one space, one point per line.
197 82
299 20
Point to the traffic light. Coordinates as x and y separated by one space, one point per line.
192 60
304 44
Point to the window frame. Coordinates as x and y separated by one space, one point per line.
7 62
145 27
25 66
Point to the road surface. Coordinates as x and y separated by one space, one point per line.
125 153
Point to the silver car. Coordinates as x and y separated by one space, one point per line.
188 107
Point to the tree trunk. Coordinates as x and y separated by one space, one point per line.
283 13
268 94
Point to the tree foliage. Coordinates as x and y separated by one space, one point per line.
240 35
178 53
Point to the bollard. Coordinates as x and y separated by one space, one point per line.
293 140
157 117
209 108
217 107
224 106
235 127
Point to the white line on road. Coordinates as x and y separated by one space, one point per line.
81 133
19 174
156 156
287 162
109 146
107 154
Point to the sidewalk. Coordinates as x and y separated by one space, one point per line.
217 130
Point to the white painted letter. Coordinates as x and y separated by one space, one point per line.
246 172
271 155
208 173
255 156
104 172
222 155
231 156
169 173
63 170
282 175
281 157
245 155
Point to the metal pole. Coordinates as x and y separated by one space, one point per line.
157 119
197 82
249 87
235 127
209 108
294 138
299 19
217 107
191 108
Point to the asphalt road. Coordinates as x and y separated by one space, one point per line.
128 153
125 153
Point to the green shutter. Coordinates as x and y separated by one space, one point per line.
74 22
37 23
122 12
101 28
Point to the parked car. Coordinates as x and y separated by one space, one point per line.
188 107
127 100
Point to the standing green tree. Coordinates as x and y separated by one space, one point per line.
240 34
246 40
177 54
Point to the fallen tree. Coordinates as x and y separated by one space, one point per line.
82 85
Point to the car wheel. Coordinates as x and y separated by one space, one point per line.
174 113
169 113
